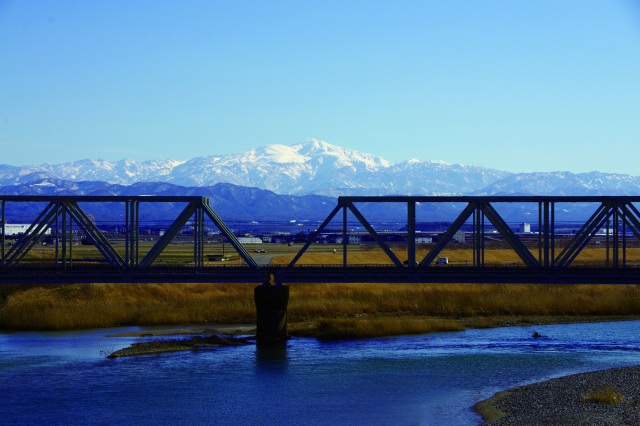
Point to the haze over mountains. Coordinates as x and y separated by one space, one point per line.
311 167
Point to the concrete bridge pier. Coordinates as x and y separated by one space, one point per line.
271 313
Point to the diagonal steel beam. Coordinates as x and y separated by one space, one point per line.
448 235
244 254
583 236
509 236
374 234
633 216
169 235
33 233
314 235
94 235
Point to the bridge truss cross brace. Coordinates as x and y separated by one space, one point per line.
545 256
61 213
619 211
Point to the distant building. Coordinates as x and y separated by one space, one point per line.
19 229
355 239
424 240
249 240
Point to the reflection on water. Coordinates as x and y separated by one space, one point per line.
271 354
64 378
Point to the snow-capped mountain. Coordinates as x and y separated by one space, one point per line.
309 167
123 172
563 184
413 177
314 167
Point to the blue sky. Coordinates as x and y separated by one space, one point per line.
514 85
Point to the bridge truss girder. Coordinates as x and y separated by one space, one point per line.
619 210
62 212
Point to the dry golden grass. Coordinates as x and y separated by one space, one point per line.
346 328
457 256
366 306
107 305
319 254
605 395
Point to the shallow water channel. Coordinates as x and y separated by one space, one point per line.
433 379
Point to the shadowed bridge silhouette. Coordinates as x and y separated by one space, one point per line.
544 253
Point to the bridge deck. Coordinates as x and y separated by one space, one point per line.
323 274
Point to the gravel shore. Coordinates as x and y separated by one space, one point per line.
570 400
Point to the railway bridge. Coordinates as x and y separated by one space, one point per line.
601 249
604 248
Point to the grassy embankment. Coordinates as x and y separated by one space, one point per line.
351 309
325 310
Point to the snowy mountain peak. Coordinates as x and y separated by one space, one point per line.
311 166
313 146
279 154
341 156
316 167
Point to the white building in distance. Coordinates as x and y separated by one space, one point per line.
19 229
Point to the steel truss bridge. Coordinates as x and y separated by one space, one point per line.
543 256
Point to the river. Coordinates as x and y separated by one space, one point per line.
432 379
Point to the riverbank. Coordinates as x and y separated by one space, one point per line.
601 397
76 306
162 340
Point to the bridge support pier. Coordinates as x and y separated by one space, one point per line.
271 313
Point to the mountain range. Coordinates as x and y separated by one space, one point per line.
301 180
314 167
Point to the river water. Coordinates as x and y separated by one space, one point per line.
433 379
